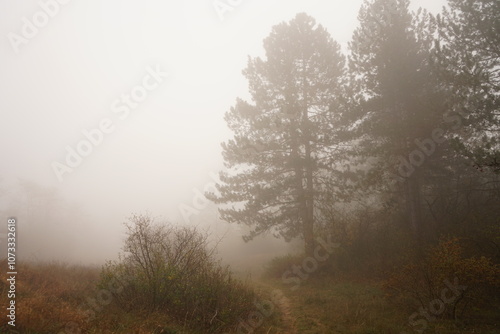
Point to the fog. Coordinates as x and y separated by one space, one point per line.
148 82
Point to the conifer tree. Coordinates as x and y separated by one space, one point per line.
282 138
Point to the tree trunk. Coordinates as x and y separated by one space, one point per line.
309 200
414 205
308 168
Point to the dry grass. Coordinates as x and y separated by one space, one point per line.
51 295
324 305
47 295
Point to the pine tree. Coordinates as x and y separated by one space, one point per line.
284 137
469 54
401 105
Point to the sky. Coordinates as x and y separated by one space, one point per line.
147 83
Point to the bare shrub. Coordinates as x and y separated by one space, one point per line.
171 268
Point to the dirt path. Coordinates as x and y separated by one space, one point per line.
283 304
285 308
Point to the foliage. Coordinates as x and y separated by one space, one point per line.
469 59
170 268
477 278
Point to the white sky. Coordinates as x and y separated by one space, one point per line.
65 79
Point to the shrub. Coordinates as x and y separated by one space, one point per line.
444 266
170 268
280 264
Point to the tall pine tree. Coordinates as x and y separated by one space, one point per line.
400 124
277 158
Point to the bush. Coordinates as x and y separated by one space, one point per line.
280 264
170 268
444 266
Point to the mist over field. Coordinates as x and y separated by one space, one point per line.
329 152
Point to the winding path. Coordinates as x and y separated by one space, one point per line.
283 304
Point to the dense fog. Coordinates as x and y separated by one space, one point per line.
156 154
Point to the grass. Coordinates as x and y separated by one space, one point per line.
53 297
50 295
47 295
324 305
